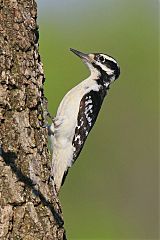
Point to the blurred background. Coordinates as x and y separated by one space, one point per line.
111 192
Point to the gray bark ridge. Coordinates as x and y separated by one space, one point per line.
28 209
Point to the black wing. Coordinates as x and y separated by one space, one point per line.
88 112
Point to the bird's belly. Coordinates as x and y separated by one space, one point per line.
69 106
67 114
65 128
67 118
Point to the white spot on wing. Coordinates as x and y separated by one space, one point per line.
78 138
88 102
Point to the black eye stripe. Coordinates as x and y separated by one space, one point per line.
102 59
110 64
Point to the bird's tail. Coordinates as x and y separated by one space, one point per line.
59 167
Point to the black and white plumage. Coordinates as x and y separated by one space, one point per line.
78 112
88 112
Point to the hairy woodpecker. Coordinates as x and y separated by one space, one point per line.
78 112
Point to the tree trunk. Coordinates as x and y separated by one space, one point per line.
28 209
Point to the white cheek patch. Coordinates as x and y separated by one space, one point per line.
105 68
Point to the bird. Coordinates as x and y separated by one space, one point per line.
77 113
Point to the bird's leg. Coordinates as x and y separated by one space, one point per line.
51 180
56 123
47 115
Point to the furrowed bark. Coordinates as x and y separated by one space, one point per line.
28 209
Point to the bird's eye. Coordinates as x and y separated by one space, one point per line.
102 59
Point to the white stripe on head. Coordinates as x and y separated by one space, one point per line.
109 58
105 68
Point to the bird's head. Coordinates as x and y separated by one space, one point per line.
100 65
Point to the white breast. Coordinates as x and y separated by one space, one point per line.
69 107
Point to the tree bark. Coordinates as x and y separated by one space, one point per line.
28 209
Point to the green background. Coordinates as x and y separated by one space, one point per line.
112 190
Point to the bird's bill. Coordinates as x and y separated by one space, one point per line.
83 56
